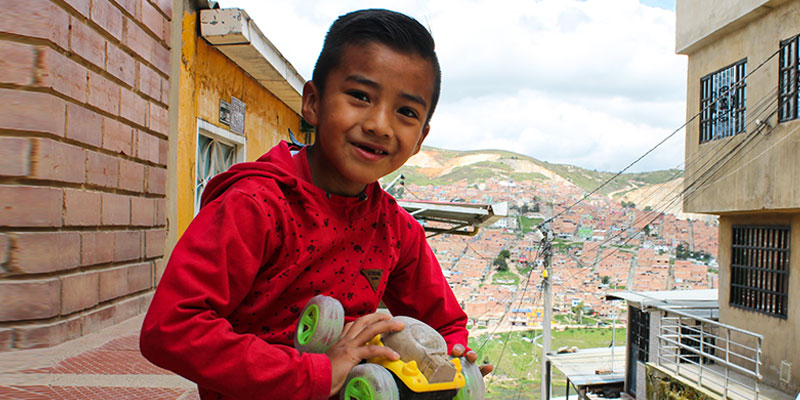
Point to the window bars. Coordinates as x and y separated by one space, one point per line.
639 334
760 269
788 78
213 157
722 102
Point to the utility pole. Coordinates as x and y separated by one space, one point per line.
547 286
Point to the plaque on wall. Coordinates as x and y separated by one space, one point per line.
224 112
237 115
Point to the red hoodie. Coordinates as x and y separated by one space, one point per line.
266 241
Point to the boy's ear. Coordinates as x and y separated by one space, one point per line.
422 137
310 103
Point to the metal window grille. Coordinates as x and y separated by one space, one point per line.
722 102
639 335
788 78
213 157
760 269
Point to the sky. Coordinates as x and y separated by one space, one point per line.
593 83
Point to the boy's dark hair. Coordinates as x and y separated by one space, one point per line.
392 29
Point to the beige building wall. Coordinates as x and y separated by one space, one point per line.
764 169
781 336
752 178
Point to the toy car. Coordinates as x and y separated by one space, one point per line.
424 371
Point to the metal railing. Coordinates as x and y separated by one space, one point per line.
719 357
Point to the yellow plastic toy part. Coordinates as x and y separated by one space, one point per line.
412 377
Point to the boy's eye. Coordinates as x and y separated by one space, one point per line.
358 95
408 112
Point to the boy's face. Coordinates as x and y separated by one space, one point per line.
370 118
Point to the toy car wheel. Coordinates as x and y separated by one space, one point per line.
369 382
320 325
474 388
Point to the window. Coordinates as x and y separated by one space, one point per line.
788 77
217 150
722 102
760 269
640 333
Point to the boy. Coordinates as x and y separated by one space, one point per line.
272 234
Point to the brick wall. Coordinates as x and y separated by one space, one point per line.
83 146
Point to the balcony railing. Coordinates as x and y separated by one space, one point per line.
718 357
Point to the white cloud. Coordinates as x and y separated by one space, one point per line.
593 83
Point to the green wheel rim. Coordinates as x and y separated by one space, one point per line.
308 324
359 389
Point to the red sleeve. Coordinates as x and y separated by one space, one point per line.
208 275
417 288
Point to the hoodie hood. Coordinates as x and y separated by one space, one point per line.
290 172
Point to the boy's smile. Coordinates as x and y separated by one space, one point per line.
370 118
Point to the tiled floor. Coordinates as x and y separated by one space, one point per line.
106 365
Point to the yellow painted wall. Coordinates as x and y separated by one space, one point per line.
206 76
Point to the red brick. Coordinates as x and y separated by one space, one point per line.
47 335
116 209
121 64
168 33
97 248
36 18
81 6
108 17
161 265
85 42
165 6
29 299
163 150
138 40
117 137
84 125
103 93
149 82
15 156
133 107
5 246
159 119
156 180
131 176
37 253
143 211
81 208
165 90
154 243
113 283
98 319
160 57
130 6
58 161
131 307
17 63
30 206
127 245
161 212
102 170
147 147
153 19
24 111
140 277
61 74
6 339
79 292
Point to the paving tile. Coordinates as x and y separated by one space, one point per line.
92 393
103 362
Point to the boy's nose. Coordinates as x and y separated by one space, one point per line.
377 122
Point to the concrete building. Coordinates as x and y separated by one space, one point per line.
116 115
742 164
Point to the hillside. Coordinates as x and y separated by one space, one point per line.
432 166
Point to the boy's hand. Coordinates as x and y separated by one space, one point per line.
471 356
351 347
